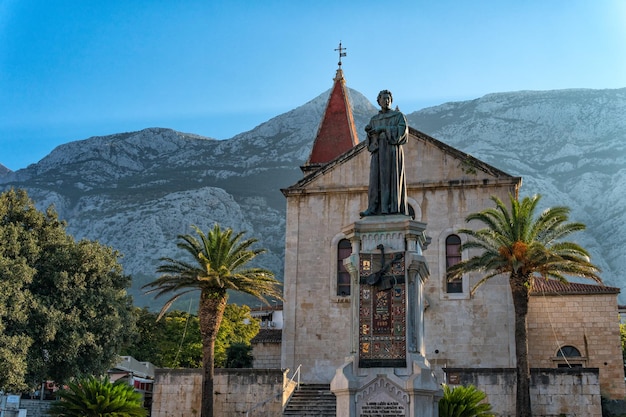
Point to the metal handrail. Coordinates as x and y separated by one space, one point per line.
297 372
262 403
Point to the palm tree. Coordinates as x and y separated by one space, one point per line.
463 401
220 263
524 246
96 397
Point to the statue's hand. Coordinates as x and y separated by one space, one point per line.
372 142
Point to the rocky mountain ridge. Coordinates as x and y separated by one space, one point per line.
568 145
136 191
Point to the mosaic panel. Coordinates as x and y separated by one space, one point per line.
382 315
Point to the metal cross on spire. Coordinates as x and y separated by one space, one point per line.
341 53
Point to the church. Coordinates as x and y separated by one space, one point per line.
466 338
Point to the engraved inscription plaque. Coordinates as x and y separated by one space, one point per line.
382 398
382 409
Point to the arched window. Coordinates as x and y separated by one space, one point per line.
568 357
568 352
344 249
453 257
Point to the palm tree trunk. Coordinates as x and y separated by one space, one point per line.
210 313
520 292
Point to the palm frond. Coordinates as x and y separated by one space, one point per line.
483 280
515 241
217 261
463 401
169 303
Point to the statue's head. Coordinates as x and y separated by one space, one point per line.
383 93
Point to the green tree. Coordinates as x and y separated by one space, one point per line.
220 263
175 340
64 310
20 226
239 355
144 345
524 246
237 327
16 275
463 401
95 397
181 343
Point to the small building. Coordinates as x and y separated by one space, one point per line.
139 375
576 325
266 344
270 317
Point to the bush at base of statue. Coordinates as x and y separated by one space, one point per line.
463 401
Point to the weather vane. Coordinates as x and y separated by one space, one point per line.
341 53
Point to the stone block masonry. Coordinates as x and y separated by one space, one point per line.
255 392
554 391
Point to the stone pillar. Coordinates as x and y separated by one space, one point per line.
386 372
417 275
351 263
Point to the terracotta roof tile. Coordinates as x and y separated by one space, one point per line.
268 336
337 132
554 287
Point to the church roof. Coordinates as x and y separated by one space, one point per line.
554 287
414 134
337 132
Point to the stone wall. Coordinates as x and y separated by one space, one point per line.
266 355
177 393
257 392
35 408
562 392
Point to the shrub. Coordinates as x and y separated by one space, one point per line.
463 401
98 397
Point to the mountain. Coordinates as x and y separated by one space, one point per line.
4 170
136 191
568 145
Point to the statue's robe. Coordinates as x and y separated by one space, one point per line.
387 187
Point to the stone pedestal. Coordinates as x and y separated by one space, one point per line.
386 373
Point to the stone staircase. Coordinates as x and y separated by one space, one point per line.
312 400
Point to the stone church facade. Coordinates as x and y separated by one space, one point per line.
444 185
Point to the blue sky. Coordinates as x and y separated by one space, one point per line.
74 69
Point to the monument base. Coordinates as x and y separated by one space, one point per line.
387 374
386 392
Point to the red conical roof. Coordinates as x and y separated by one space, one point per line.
337 133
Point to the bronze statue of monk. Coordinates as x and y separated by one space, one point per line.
387 132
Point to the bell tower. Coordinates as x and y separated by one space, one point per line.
336 133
